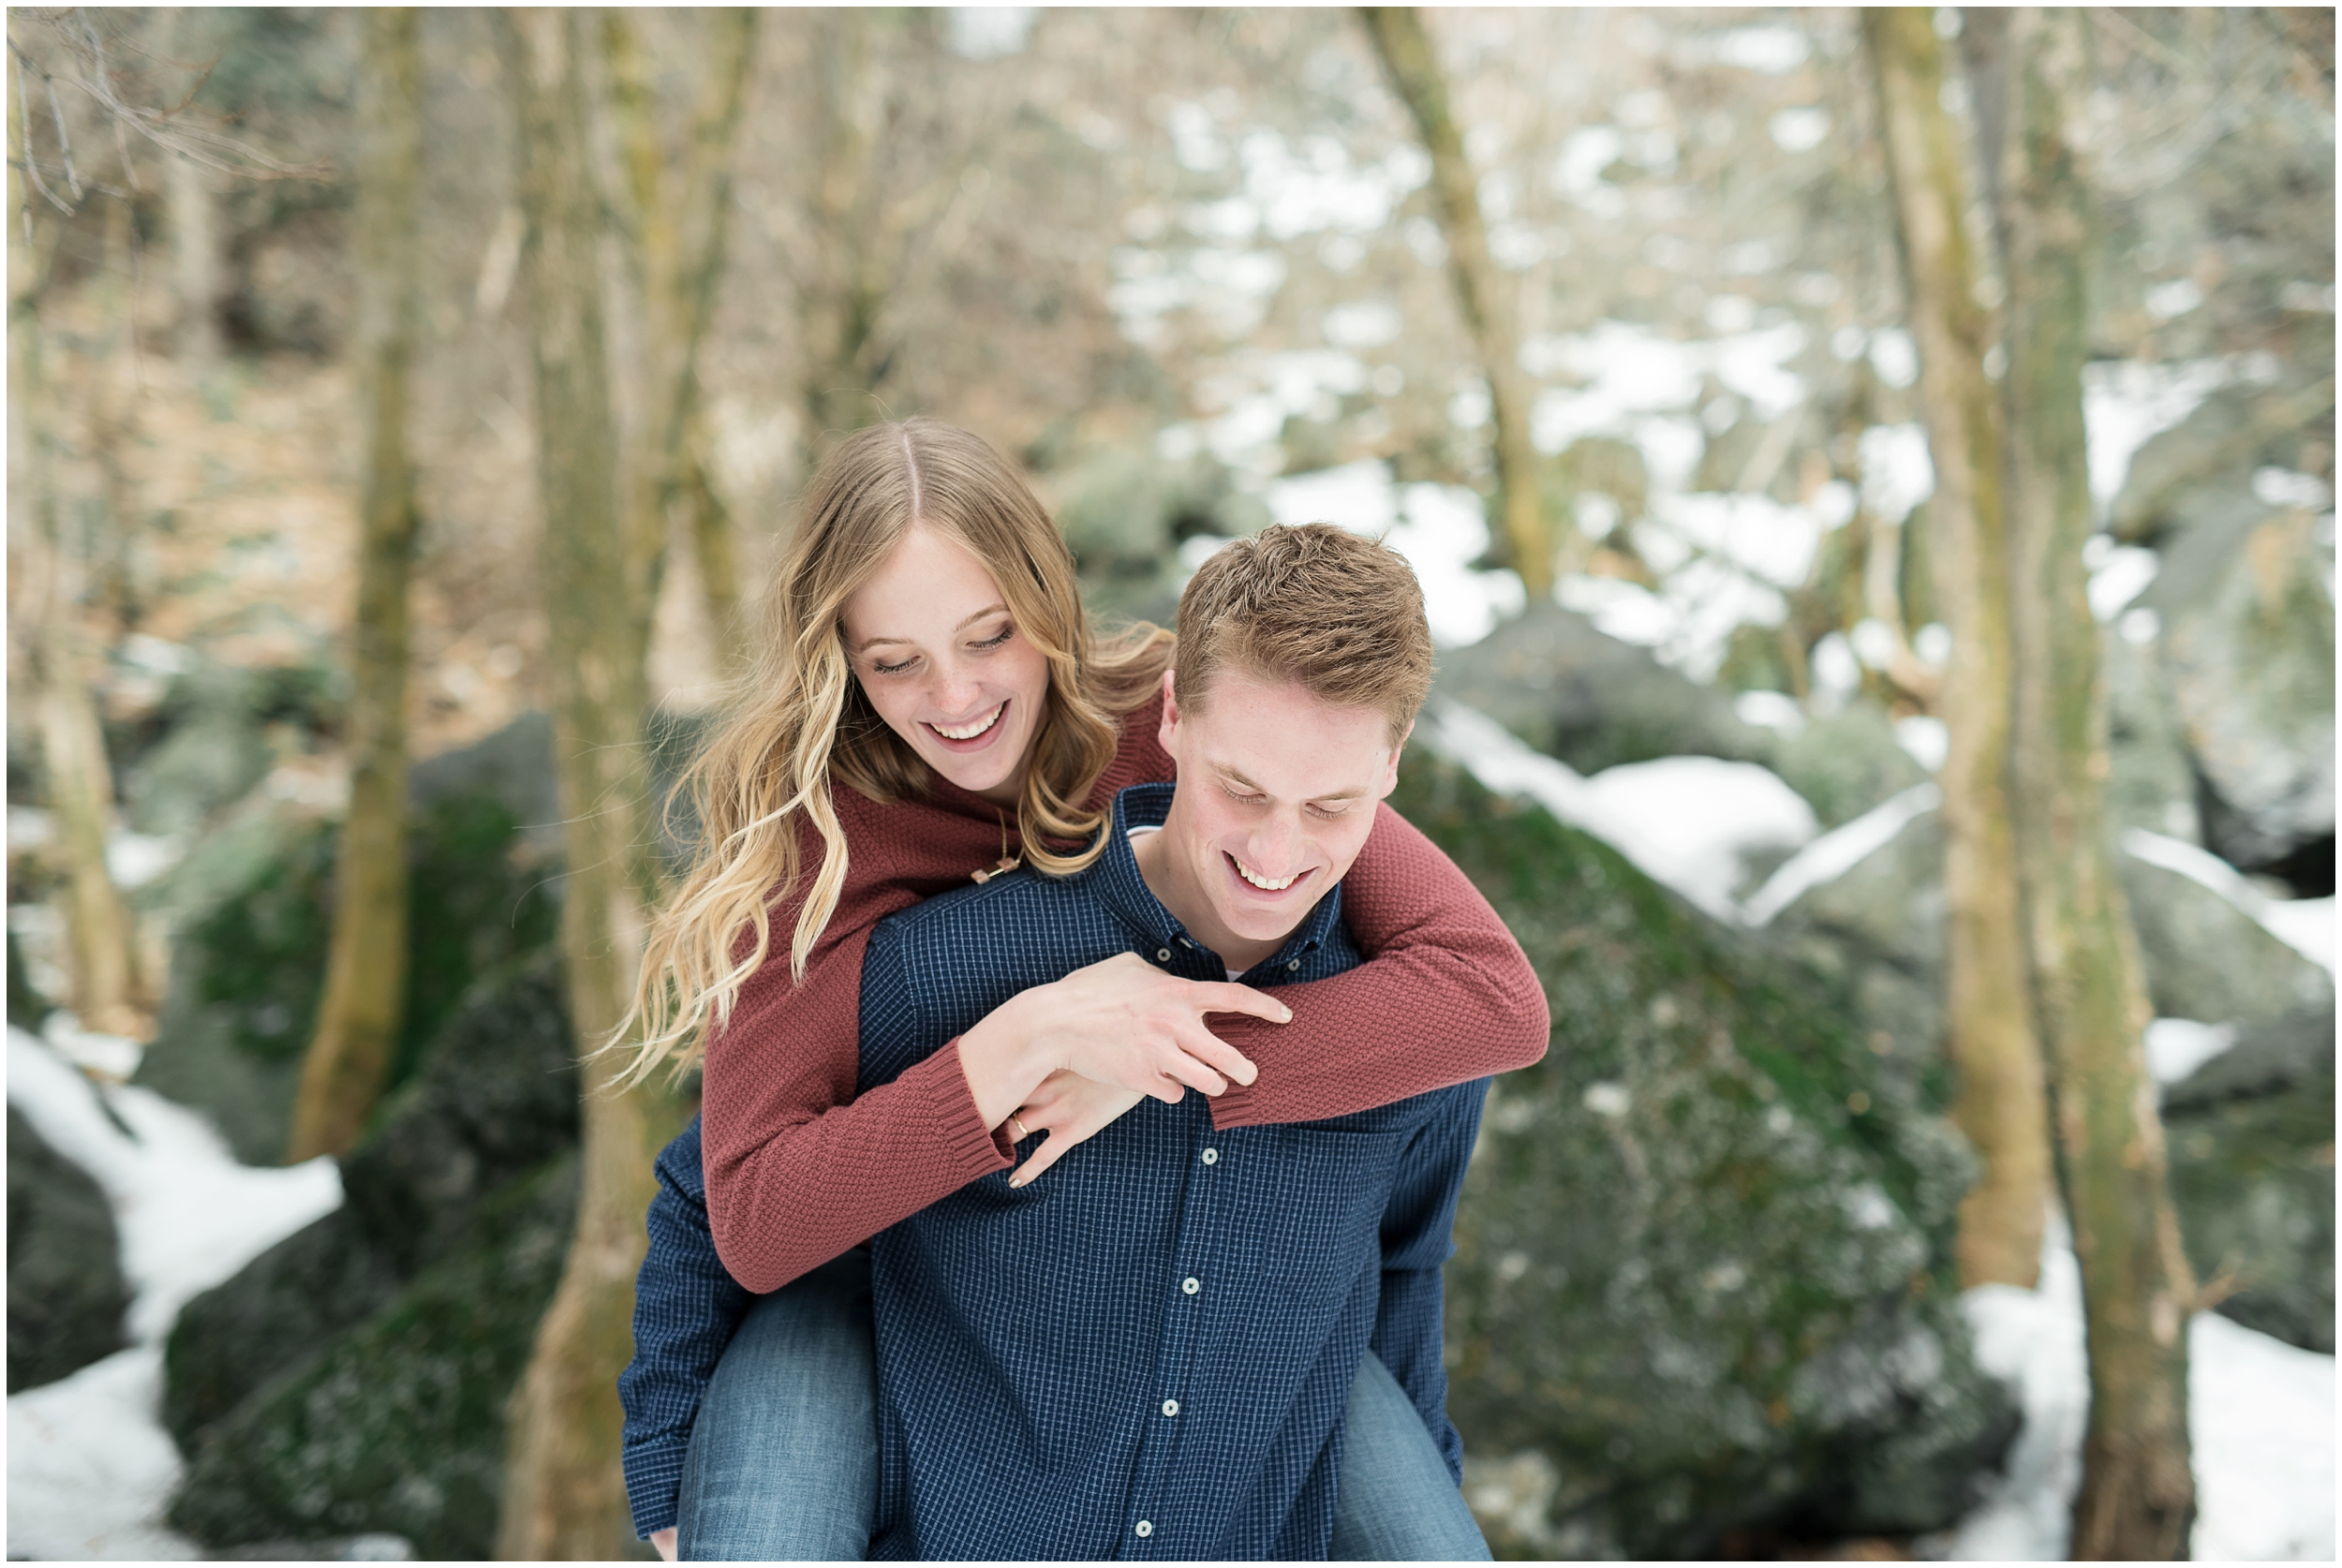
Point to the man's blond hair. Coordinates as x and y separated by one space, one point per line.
1340 614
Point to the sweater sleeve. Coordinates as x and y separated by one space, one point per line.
798 1168
1445 996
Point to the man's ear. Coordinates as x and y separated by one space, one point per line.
1170 713
1390 779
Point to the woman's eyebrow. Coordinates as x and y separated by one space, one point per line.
994 609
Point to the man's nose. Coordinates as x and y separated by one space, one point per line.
1273 845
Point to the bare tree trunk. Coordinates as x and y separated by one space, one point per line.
842 314
366 977
189 204
681 234
2138 1493
2002 1103
564 1496
101 951
1482 293
191 209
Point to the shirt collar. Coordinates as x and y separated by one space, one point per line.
1122 888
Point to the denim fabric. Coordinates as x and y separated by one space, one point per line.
686 1309
783 1465
1398 1502
783 1461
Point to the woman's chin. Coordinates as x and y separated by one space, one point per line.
982 773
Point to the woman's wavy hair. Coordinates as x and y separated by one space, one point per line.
800 720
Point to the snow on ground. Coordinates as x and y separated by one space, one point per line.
2260 1419
1838 851
90 1467
2303 925
1685 821
2177 1046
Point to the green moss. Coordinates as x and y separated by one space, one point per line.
1703 1258
397 1425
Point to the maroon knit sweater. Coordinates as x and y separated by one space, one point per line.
799 1170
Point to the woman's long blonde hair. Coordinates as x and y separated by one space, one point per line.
801 721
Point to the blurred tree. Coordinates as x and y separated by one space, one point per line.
2138 1493
564 1496
192 213
677 232
366 978
2001 1103
1413 67
102 943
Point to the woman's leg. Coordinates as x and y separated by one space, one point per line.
1396 1501
783 1462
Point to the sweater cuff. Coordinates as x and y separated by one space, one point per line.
972 1149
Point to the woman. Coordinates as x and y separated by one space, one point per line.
929 650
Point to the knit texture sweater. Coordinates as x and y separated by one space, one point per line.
799 1168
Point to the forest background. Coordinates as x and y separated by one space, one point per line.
1872 476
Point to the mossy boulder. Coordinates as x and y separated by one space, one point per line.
1702 1279
398 1425
496 1100
65 1290
1565 687
1848 762
2250 1136
248 964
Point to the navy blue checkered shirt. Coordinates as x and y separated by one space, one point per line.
1146 1353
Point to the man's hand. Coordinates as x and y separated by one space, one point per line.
664 1541
1070 1109
1120 1022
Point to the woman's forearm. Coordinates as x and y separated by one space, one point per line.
1445 996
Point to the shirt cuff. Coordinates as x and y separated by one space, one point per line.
972 1149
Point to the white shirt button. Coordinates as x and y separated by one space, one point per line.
1170 1407
1211 1156
1190 1284
1293 965
1144 1527
1162 955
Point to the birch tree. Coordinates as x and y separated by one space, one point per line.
2138 1492
564 1496
366 977
2001 1103
1482 293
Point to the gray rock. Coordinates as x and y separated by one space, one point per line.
2208 960
2250 1136
2152 784
65 1290
396 1426
2248 652
1567 689
496 1098
255 918
1848 762
1702 1280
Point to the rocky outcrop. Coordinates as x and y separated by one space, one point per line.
248 962
67 1294
1702 1280
2250 1135
496 1102
1592 701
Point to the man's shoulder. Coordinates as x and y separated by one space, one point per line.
993 906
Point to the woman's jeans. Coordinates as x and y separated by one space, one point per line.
783 1462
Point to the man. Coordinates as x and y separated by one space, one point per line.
1150 1351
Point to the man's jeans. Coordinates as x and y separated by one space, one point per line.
783 1462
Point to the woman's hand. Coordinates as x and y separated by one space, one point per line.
1070 1109
664 1541
1120 1022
